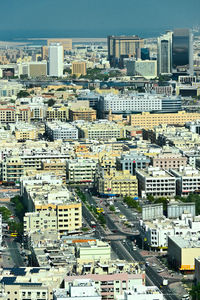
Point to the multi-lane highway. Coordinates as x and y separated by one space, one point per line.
124 250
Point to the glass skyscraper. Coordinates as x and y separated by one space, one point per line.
182 52
164 58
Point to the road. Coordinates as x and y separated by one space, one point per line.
125 250
17 260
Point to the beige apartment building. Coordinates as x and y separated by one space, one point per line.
79 68
26 131
148 120
100 130
57 112
37 69
118 183
182 252
12 114
82 113
12 169
42 220
66 43
45 198
169 161
81 170
33 284
57 166
93 250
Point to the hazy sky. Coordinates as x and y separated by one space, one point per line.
97 17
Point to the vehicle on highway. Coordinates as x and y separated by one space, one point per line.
185 297
93 224
100 210
165 282
14 234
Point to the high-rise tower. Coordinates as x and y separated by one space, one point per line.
164 59
120 47
55 52
182 52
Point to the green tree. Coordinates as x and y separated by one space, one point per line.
20 209
67 70
15 227
150 198
51 102
6 213
61 89
102 219
195 292
22 94
132 203
112 208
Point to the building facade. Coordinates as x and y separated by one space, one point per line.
118 183
156 182
120 47
149 120
55 60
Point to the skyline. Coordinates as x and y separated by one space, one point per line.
95 20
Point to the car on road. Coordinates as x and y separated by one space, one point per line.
154 265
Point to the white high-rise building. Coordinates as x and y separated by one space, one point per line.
164 59
55 52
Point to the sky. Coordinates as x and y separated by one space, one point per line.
95 18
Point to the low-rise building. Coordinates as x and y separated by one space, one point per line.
57 112
81 170
93 250
37 107
57 166
31 283
100 130
188 180
169 161
9 88
119 183
182 252
40 220
79 68
152 211
58 130
156 232
12 114
144 68
111 285
12 169
78 290
175 209
156 182
142 293
24 131
47 197
82 113
149 120
132 161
